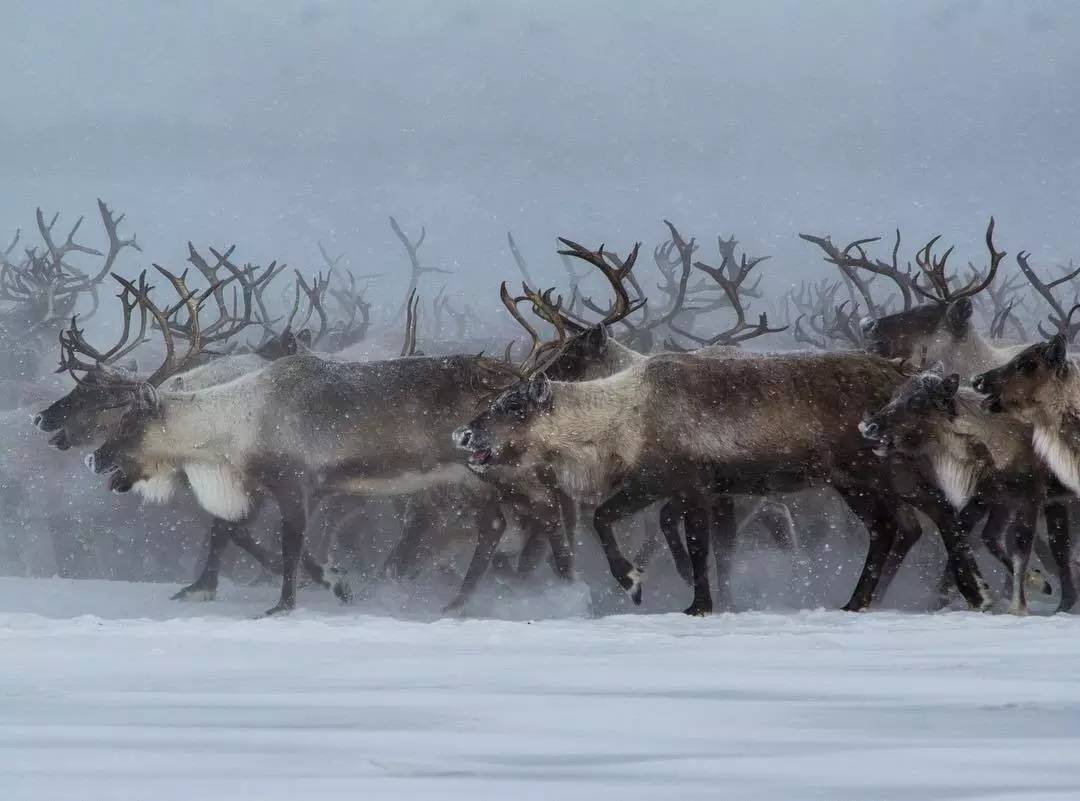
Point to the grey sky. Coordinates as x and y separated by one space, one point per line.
274 125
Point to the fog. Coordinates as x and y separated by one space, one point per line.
278 125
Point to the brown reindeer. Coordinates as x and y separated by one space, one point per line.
677 424
981 461
943 330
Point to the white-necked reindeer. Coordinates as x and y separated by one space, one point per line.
299 429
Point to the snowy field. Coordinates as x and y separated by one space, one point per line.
110 691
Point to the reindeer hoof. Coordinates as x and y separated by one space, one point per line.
631 582
195 593
280 609
456 608
1019 611
854 606
336 580
1038 582
698 609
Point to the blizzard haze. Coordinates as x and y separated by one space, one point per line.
277 125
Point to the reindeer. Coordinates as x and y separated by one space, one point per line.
299 429
1039 387
44 289
981 462
588 351
942 330
677 424
91 411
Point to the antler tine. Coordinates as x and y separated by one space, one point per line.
975 286
548 352
934 270
116 244
412 318
74 340
14 242
862 261
217 288
741 330
622 306
331 261
511 303
70 245
1058 315
1068 329
519 260
315 294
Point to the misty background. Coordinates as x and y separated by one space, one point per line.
278 125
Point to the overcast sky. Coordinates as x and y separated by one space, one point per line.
278 124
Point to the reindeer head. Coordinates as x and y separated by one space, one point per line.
932 330
90 411
127 456
497 436
918 405
1030 383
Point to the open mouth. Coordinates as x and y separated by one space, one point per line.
992 403
119 482
479 458
59 440
882 447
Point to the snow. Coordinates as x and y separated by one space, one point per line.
110 691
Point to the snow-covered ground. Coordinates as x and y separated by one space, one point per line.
110 691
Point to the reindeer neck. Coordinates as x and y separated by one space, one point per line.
207 425
998 442
593 432
621 357
974 354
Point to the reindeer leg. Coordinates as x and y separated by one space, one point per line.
954 530
242 538
204 588
696 519
328 573
490 524
1057 528
532 553
873 510
724 534
670 515
624 503
403 561
1021 537
997 522
293 523
908 532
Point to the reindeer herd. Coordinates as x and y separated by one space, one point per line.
923 407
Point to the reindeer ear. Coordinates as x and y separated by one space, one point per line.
1057 352
958 315
598 335
146 397
286 343
540 390
304 337
950 385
